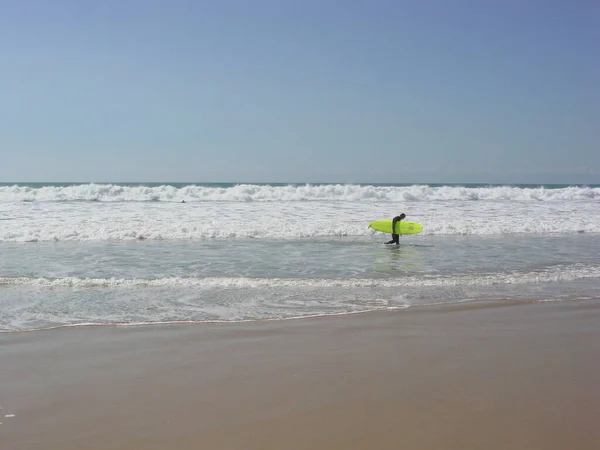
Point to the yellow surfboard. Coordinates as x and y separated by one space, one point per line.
402 227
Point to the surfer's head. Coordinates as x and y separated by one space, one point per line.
402 216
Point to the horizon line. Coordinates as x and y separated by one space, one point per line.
284 183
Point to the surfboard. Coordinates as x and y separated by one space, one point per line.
402 227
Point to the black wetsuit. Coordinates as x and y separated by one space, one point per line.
395 237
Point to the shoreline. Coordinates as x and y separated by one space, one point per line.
508 375
445 306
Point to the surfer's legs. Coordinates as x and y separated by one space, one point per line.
395 239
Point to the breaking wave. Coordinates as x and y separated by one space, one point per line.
270 193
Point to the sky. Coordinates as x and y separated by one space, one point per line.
300 91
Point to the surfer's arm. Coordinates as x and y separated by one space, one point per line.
394 220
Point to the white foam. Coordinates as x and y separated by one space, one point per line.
556 274
84 221
265 193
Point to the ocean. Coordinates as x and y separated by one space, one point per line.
162 253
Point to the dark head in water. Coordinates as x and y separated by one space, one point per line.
402 216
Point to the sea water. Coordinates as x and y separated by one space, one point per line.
124 254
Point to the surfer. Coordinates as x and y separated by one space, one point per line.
396 237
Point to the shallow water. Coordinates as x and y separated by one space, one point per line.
53 284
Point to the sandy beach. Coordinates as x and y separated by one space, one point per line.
490 375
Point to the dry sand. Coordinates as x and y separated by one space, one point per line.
485 376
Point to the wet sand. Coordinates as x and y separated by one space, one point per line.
479 376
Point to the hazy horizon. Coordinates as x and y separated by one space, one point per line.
291 182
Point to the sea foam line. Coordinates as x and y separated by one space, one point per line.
566 273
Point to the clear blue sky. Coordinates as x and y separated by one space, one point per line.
276 90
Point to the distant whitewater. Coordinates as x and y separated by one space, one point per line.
286 193
114 212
